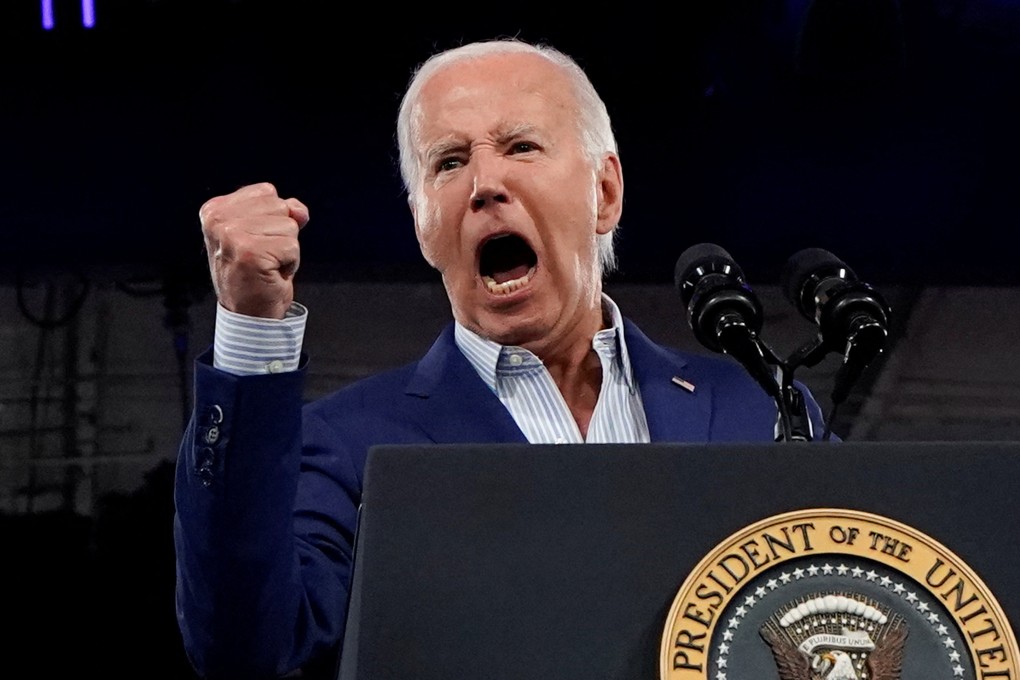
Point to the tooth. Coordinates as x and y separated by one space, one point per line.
507 286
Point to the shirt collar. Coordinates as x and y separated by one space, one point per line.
484 355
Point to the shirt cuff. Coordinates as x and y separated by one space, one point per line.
248 345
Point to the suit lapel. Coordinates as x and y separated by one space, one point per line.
452 404
674 413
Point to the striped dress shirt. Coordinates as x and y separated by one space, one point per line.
245 345
523 384
248 345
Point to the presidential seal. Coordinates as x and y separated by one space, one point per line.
831 594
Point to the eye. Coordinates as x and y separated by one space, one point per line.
448 163
523 147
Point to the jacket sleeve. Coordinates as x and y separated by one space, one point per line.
261 575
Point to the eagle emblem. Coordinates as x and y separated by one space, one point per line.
832 636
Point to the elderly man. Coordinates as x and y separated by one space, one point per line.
516 188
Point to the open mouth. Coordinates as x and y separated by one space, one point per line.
506 263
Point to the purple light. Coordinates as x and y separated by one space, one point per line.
47 14
88 13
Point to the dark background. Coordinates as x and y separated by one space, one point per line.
884 131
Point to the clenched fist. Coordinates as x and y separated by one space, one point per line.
251 237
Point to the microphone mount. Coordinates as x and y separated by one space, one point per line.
726 317
852 317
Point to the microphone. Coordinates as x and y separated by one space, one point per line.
722 310
852 317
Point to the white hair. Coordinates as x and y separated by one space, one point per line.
594 127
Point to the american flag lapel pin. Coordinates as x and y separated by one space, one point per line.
677 380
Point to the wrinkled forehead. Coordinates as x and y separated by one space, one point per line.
510 89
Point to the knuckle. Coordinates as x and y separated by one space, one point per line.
233 239
264 188
278 206
209 209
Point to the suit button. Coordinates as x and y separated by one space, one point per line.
206 457
214 415
212 435
204 465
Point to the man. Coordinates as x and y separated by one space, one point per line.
516 188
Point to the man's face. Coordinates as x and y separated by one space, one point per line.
509 206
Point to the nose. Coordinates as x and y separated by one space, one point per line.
489 186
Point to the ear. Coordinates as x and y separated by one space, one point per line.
610 194
413 205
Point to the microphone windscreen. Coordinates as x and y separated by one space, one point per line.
803 265
698 256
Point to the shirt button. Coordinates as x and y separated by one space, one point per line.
516 360
560 440
274 366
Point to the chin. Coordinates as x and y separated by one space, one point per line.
507 330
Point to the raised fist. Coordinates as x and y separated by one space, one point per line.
251 237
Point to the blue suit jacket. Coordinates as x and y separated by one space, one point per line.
268 487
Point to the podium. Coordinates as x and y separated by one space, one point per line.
565 561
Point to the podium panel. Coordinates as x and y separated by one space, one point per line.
565 561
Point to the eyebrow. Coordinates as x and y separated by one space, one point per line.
452 143
443 147
514 131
